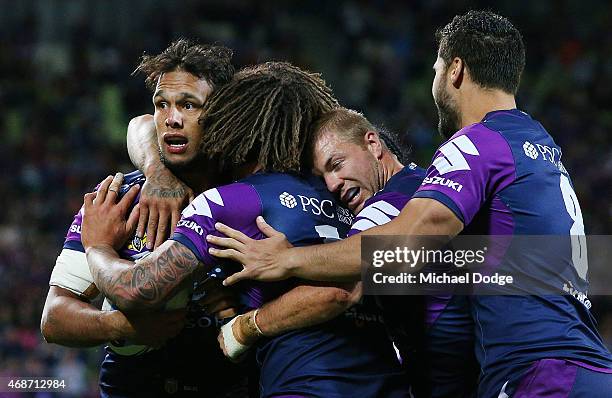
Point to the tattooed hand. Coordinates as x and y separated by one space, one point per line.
162 199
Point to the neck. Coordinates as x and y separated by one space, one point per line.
200 177
390 167
477 102
246 170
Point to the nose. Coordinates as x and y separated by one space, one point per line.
333 183
174 119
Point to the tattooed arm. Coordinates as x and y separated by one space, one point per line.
146 284
104 229
163 195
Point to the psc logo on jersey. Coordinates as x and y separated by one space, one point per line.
316 206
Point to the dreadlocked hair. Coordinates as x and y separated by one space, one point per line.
212 63
265 113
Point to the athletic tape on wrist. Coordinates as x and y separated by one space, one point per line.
233 347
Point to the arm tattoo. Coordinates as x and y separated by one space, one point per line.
166 184
147 283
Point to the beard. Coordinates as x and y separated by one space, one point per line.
180 167
448 117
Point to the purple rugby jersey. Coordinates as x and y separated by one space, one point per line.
435 333
504 176
347 355
176 364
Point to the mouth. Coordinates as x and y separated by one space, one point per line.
352 197
175 143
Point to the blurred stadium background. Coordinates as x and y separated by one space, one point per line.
67 95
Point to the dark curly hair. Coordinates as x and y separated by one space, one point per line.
266 114
491 47
212 63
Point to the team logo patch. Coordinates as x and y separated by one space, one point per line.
138 244
287 200
530 150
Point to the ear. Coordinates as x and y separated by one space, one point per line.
456 72
372 141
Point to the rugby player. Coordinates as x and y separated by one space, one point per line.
182 77
361 165
527 345
259 122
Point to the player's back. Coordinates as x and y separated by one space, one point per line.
529 193
434 333
136 370
350 354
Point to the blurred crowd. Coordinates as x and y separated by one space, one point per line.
67 94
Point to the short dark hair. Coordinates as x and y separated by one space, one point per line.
266 113
491 47
212 63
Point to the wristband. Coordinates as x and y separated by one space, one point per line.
254 319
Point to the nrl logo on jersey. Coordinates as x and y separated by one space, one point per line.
138 244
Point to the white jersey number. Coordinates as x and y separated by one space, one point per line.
579 245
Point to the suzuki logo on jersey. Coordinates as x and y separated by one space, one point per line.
445 182
192 225
75 228
451 158
317 207
287 200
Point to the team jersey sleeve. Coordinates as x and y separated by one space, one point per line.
71 271
235 205
468 170
378 210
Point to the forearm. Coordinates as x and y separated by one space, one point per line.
142 143
419 217
301 307
71 322
146 284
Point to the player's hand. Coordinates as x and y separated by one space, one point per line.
152 329
262 259
162 199
105 221
219 300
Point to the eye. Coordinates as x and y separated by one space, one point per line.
337 164
161 104
189 105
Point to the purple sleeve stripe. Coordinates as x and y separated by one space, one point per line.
442 198
185 241
74 245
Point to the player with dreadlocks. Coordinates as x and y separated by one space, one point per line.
256 126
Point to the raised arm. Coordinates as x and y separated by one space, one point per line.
163 195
